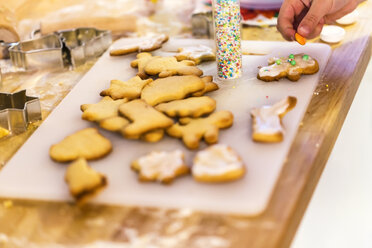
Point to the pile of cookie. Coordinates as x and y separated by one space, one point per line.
167 96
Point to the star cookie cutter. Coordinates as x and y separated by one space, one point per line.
17 111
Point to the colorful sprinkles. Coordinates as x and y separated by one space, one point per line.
228 40
278 62
305 57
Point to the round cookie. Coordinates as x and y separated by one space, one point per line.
161 166
217 163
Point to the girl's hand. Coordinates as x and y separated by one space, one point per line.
307 17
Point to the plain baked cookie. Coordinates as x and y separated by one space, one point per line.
143 117
84 182
171 88
161 166
87 143
164 66
118 123
106 108
114 124
198 54
190 107
209 86
191 131
267 120
146 44
291 67
217 163
130 89
142 60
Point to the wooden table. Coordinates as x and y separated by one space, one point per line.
27 223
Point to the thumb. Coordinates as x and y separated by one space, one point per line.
315 14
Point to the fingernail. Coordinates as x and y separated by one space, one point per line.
304 30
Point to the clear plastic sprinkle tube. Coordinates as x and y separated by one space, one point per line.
226 14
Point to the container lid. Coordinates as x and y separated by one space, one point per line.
332 34
261 4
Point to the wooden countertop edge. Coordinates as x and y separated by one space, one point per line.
303 169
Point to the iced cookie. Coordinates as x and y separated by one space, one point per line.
267 124
191 107
291 67
130 89
84 182
161 166
106 108
142 60
209 86
169 66
193 130
217 163
171 88
143 117
197 54
87 143
146 44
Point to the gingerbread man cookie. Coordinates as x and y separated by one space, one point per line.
193 130
130 89
146 44
197 54
218 163
161 166
267 124
291 67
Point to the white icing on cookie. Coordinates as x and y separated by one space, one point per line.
162 165
144 43
216 160
284 64
196 52
152 41
267 118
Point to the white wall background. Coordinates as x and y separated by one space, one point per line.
340 212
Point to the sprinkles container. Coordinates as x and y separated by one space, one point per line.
226 14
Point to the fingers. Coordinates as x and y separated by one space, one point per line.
310 24
290 16
331 18
318 29
286 20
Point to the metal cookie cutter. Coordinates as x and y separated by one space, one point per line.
83 44
38 53
202 24
17 110
68 48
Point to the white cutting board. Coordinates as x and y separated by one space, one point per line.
31 174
